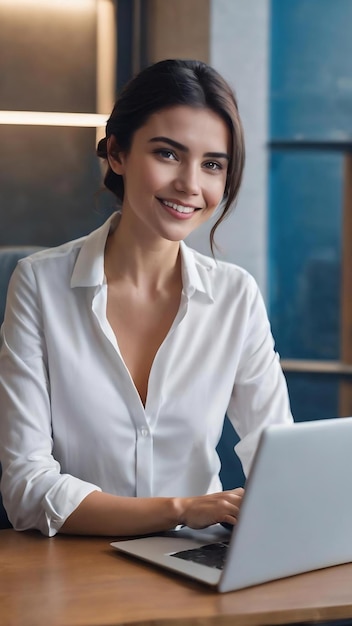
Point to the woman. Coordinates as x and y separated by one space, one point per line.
123 350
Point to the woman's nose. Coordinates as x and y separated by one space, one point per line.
187 180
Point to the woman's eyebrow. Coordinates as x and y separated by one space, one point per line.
217 155
180 146
171 142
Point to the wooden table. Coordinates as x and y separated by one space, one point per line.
71 581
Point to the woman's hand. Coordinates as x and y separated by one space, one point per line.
202 511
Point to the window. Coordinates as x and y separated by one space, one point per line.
311 202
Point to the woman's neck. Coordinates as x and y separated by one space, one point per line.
150 264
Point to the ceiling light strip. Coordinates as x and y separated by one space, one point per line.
39 118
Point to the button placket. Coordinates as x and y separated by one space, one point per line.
144 462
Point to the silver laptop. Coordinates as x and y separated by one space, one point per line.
296 514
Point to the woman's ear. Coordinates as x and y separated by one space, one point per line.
115 157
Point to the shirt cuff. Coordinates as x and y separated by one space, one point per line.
61 500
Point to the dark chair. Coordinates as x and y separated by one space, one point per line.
231 472
9 255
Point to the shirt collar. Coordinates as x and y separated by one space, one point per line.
196 272
89 267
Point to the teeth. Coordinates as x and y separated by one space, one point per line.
179 207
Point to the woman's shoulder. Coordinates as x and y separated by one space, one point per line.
54 252
50 262
219 269
81 255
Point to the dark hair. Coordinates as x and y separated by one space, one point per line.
170 83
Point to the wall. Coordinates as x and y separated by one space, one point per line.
52 61
239 50
178 29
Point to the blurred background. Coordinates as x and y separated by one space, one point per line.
62 63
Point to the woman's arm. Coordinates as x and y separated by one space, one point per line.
35 492
104 514
260 396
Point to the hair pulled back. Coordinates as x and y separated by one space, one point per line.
168 83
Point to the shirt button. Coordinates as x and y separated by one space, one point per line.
144 432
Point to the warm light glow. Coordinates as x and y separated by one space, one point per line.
106 55
106 59
49 4
38 118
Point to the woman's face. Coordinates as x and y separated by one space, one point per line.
174 173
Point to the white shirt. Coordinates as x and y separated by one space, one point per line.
71 419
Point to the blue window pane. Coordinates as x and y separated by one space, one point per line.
311 70
305 253
313 396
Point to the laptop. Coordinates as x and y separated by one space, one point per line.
296 514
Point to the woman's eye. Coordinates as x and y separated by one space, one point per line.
166 154
213 166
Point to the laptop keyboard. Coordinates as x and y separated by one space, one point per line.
211 555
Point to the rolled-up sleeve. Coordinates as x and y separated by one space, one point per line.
32 486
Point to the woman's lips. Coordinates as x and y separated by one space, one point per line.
181 211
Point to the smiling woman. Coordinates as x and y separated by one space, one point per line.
123 350
172 183
175 84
